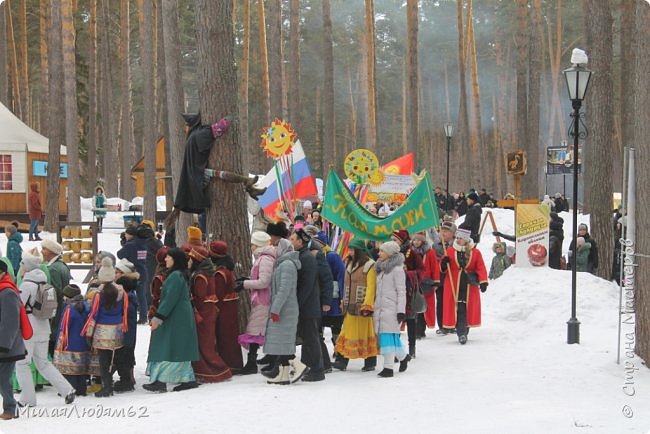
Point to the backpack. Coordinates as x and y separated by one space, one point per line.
45 303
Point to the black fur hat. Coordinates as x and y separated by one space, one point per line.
278 229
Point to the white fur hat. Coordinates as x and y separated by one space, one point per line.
52 246
391 248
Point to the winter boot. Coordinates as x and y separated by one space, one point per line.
121 386
412 351
462 339
385 373
298 369
251 365
271 371
156 386
266 360
282 377
369 364
107 387
341 363
186 386
404 363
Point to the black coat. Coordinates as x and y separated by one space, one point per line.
192 194
556 237
325 279
473 221
135 250
307 289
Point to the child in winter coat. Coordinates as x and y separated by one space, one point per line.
582 256
14 251
107 324
500 262
72 352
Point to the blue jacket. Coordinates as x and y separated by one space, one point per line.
338 273
14 251
135 250
78 317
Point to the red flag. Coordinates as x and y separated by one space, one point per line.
404 165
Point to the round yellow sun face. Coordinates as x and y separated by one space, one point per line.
278 139
359 164
376 177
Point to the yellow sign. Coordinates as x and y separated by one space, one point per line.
278 139
360 165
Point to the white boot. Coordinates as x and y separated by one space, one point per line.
282 377
298 369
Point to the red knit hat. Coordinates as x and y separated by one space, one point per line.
402 235
218 248
198 253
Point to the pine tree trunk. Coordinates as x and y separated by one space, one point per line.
70 90
522 77
461 178
110 159
91 139
44 105
127 148
227 218
530 186
371 138
3 56
57 116
329 146
476 128
274 43
405 118
597 150
264 62
353 117
148 101
12 63
175 103
627 92
23 63
412 68
251 156
293 106
641 128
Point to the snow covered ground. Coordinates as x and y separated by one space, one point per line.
515 375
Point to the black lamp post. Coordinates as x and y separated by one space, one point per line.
577 80
449 131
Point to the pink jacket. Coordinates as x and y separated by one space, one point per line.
261 276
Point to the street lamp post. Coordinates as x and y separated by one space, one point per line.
577 80
449 131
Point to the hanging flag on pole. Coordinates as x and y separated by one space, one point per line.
290 179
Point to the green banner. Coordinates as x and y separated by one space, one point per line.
340 207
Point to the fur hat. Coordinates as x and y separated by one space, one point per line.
199 253
306 204
402 235
29 262
71 291
106 271
161 253
125 266
391 248
260 239
311 230
498 245
463 234
219 248
472 196
448 226
52 246
303 236
278 229
194 234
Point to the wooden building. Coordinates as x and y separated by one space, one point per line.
137 171
23 160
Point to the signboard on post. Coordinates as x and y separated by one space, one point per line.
516 163
559 160
531 231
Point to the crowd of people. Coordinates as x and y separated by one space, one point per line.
190 298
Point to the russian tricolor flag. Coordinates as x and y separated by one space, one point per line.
296 182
